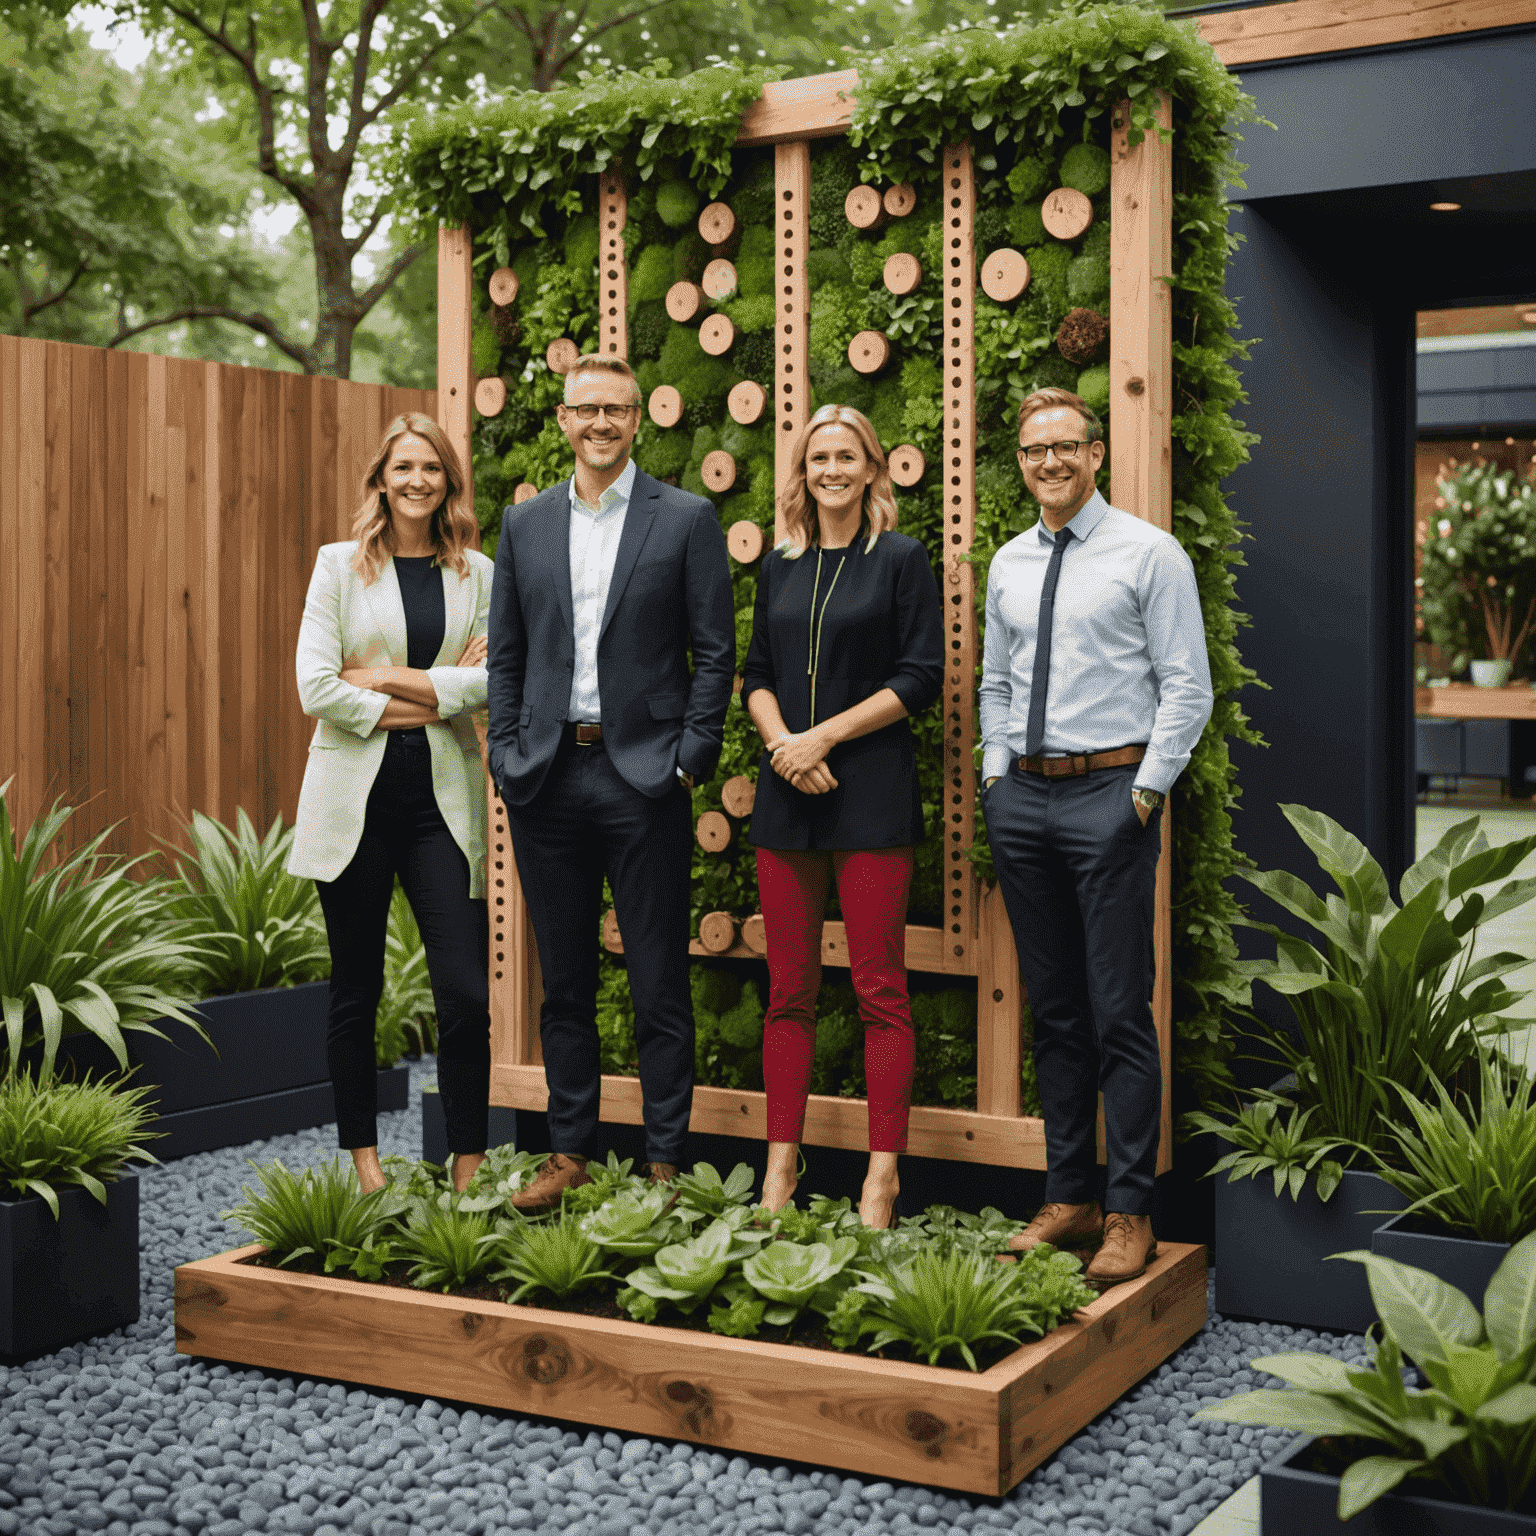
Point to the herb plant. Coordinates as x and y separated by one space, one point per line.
557 1257
446 1246
1267 1144
305 1215
703 1191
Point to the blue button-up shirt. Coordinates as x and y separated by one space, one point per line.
1128 658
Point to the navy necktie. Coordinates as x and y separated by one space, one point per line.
1034 736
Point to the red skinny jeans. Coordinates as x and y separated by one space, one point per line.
872 886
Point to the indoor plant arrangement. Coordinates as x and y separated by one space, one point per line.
1460 1448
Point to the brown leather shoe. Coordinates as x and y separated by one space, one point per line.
661 1173
559 1174
1062 1226
1129 1247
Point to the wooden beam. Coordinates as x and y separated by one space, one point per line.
791 388
455 323
925 949
816 107
999 1005
613 277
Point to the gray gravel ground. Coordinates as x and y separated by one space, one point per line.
121 1435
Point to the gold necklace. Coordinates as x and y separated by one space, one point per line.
813 629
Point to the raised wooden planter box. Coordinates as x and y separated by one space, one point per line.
980 1433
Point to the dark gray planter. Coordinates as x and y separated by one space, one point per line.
502 1128
1294 1502
1270 1251
1464 1262
71 1279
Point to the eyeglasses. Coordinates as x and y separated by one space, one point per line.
611 412
1065 451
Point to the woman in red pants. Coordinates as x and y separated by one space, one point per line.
847 644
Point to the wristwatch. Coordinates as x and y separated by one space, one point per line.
1149 799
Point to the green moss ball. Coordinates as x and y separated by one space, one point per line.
1088 281
676 203
701 379
484 348
1030 178
826 266
1025 224
651 277
1096 241
753 357
750 314
647 331
667 454
581 242
1093 386
1086 167
1048 267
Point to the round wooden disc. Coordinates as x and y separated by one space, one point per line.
503 285
754 935
490 396
717 932
561 355
719 279
713 832
862 205
718 470
906 464
1004 275
611 940
900 201
746 402
745 541
524 492
684 301
869 351
665 406
903 272
738 794
716 335
1066 213
717 224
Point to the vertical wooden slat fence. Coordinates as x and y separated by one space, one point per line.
159 520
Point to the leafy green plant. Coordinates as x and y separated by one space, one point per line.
447 1246
706 1193
1266 1144
54 1135
407 1016
634 1224
794 1276
305 1215
555 1256
686 1273
946 1229
263 925
1472 1433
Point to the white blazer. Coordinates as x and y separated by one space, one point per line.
347 624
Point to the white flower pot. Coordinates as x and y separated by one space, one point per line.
1491 674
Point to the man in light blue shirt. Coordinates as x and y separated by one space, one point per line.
1095 689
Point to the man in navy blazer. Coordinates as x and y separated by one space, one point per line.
599 729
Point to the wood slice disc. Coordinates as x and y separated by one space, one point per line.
684 301
903 273
717 932
503 285
747 402
713 832
719 279
863 207
665 406
907 464
900 201
561 355
744 540
1004 275
739 794
717 224
869 351
611 940
1066 213
524 492
716 335
490 396
754 935
718 470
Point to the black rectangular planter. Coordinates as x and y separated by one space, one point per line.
71 1279
1270 1251
1294 1502
1464 1262
502 1129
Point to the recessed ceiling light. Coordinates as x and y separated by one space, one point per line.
1445 207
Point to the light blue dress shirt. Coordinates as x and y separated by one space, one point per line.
595 534
1128 658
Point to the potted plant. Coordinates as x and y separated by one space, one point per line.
1451 1458
1391 1001
1477 572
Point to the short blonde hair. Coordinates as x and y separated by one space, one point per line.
599 362
454 528
800 520
1050 399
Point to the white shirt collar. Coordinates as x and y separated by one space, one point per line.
620 491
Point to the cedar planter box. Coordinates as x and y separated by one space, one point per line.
980 1433
71 1279
1295 1502
1270 1251
1465 1262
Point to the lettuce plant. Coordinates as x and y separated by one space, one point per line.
792 1276
685 1274
634 1224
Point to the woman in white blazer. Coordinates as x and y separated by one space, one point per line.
391 661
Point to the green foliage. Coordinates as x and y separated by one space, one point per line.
54 1135
1025 226
302 1216
1049 264
1265 1144
704 1193
1093 386
406 1020
685 1274
634 1224
446 1246
556 1257
1086 167
793 1276
1030 179
650 276
676 203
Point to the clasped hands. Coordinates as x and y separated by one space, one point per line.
408 708
801 760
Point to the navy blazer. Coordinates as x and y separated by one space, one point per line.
671 589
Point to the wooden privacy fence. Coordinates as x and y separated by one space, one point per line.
159 519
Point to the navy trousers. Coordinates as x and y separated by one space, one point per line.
1078 872
587 822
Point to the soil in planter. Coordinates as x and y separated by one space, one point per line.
1332 1455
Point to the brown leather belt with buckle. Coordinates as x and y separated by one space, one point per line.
587 734
1079 763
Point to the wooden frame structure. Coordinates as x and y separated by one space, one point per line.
976 939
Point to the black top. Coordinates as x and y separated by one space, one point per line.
421 595
881 627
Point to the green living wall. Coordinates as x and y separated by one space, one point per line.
1035 106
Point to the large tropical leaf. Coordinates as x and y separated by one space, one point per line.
1419 1310
1343 856
1510 1301
1367 1480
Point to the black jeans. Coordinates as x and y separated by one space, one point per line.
404 834
587 821
1078 871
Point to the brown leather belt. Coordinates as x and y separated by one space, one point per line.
586 734
1081 762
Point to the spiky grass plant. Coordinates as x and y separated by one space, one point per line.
447 1247
304 1215
407 1016
54 1135
555 1256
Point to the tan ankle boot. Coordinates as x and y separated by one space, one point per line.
1062 1226
559 1174
1129 1247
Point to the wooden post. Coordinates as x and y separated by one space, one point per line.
455 322
613 278
999 1001
791 379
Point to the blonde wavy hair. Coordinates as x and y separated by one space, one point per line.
453 523
799 510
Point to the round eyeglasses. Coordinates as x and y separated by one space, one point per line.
1065 450
611 412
